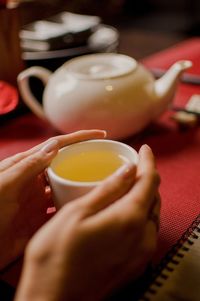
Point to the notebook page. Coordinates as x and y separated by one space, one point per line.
180 279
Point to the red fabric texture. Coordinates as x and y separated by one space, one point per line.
177 152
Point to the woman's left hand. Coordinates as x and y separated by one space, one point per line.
24 194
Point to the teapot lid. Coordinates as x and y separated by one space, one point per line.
101 66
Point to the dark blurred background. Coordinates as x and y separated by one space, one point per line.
177 16
145 26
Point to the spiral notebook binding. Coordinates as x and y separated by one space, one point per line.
172 259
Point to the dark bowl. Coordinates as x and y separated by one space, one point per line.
104 39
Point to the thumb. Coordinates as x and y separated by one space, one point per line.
34 164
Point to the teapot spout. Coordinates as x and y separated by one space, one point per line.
165 87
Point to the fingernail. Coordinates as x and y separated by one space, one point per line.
145 147
50 146
104 133
126 170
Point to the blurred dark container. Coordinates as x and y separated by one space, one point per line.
104 39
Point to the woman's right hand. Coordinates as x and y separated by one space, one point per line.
97 242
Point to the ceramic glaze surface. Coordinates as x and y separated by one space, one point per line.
107 91
101 67
66 189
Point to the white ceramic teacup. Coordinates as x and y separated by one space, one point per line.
65 190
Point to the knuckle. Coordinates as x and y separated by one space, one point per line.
49 140
5 185
158 199
153 176
34 252
133 222
14 159
157 178
108 186
148 249
78 211
73 208
75 211
111 181
58 138
103 190
33 160
80 132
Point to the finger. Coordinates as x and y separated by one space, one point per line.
43 179
134 266
111 189
148 179
157 201
150 239
32 165
154 214
8 162
146 160
63 140
80 136
138 201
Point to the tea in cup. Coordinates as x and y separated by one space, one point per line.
81 166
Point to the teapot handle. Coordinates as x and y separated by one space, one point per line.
28 97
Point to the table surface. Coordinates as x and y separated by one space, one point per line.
176 151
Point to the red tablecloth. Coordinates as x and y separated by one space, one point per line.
177 152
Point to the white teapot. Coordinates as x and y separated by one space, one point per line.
106 91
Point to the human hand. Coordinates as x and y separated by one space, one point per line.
96 243
24 196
